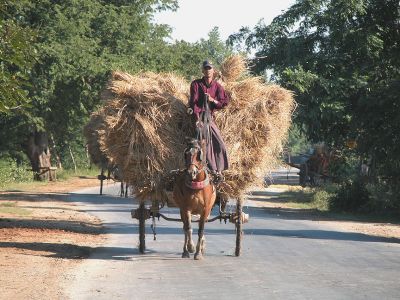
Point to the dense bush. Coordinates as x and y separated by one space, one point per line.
384 199
11 172
352 196
322 196
345 167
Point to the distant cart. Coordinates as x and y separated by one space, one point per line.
112 174
313 168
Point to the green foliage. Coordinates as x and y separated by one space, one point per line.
346 166
383 199
65 174
12 208
297 141
11 172
77 43
17 55
185 58
352 196
341 58
214 48
311 198
322 196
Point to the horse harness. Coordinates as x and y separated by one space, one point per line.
198 185
201 133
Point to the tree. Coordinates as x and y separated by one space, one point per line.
78 43
16 60
186 58
342 60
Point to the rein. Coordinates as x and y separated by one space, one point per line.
202 133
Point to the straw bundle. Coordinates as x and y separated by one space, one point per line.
232 68
94 132
254 127
147 125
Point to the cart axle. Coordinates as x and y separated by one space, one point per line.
231 217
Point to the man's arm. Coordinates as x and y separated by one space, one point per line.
222 98
194 99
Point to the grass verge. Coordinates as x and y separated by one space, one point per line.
62 175
12 209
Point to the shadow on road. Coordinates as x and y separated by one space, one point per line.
33 197
70 251
71 226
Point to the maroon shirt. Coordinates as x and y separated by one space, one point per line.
198 88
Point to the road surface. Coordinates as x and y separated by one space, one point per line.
282 258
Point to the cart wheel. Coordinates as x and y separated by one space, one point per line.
142 233
239 231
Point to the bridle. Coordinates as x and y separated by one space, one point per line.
194 148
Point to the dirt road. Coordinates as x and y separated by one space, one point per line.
56 245
283 258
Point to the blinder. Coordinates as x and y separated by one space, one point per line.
192 150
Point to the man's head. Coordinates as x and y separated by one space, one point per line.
208 69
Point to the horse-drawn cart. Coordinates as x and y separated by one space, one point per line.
153 211
143 124
193 190
313 168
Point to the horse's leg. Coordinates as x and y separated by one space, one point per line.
187 230
200 242
190 245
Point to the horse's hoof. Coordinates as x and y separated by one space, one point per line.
191 248
198 256
185 254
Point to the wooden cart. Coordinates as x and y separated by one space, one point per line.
152 211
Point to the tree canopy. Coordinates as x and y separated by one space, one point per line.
63 54
342 60
17 55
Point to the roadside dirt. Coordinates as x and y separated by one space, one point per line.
42 237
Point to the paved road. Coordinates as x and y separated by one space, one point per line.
282 258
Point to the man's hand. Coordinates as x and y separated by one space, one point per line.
199 124
211 99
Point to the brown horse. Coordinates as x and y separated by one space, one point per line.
194 193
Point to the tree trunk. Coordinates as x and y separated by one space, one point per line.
39 155
88 157
53 148
73 158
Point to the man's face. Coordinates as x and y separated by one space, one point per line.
208 72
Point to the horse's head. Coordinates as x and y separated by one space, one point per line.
194 157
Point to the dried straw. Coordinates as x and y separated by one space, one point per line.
147 124
94 132
233 68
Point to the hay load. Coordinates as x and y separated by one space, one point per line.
147 124
95 132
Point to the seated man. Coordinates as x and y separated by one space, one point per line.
206 96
